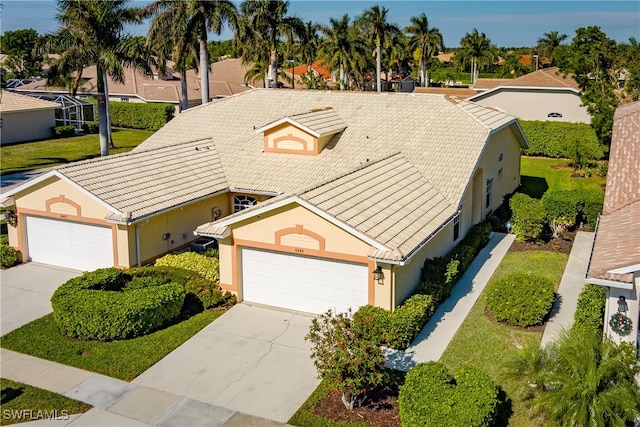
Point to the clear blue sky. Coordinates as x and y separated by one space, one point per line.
507 23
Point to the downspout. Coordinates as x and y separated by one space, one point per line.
145 222
393 288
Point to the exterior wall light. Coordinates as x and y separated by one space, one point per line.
622 304
166 236
378 275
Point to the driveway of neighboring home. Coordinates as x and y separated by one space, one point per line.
26 291
252 359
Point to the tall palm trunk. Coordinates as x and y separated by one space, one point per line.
204 69
341 76
422 76
273 68
108 108
103 115
183 87
378 67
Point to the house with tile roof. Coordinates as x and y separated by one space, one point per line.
546 94
307 193
23 118
615 256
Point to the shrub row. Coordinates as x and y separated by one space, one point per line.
206 266
562 139
134 115
398 329
99 306
8 254
561 209
589 315
521 299
63 131
91 127
431 396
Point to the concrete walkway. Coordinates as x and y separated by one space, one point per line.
434 338
570 287
116 402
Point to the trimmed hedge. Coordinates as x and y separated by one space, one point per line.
99 306
562 140
135 115
91 127
521 299
589 315
63 131
431 396
567 207
399 328
529 217
205 266
8 254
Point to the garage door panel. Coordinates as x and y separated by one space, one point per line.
301 282
69 244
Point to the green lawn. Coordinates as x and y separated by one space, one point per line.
51 152
542 174
486 344
119 359
21 403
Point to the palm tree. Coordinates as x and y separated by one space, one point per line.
66 70
476 47
168 38
309 43
375 22
338 47
205 16
95 35
268 20
512 66
428 39
548 44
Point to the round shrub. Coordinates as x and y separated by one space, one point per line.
431 396
372 322
207 267
8 256
521 299
99 306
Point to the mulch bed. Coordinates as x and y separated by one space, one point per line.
560 244
379 410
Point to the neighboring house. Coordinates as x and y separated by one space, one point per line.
615 256
545 94
225 79
317 67
457 92
307 192
23 118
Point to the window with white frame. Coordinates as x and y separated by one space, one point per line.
456 227
242 202
488 194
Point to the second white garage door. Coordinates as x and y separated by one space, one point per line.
69 244
303 283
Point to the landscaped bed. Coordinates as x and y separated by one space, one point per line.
23 403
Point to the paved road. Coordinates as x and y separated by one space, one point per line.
15 179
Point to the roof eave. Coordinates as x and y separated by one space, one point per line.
608 283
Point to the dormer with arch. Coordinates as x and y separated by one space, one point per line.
307 133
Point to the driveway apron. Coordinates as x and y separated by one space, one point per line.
252 359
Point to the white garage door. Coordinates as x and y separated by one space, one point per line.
303 283
69 244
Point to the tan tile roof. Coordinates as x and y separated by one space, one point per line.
442 139
320 122
546 77
490 83
12 102
461 93
145 182
617 242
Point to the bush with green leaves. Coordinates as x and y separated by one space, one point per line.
99 306
352 363
529 217
521 299
561 208
408 319
373 322
589 315
432 397
590 207
8 255
576 141
90 127
205 266
63 131
137 115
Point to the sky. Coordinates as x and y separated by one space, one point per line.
514 23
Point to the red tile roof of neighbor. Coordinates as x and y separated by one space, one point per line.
617 243
317 66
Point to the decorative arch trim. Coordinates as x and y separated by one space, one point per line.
299 229
63 199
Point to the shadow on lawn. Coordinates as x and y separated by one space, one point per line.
533 186
9 393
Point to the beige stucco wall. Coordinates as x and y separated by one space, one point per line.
290 140
26 125
536 104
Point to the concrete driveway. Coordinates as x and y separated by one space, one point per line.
25 293
252 359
